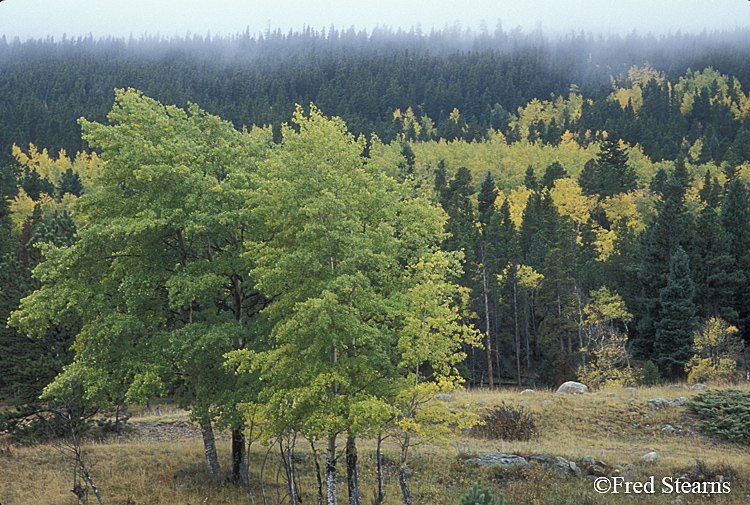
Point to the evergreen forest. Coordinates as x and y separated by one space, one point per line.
319 231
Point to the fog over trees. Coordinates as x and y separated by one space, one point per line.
316 232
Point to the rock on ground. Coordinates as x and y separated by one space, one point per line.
498 459
572 387
559 464
650 457
658 403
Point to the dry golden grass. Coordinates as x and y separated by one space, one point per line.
612 425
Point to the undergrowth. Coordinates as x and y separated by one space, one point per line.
724 413
507 422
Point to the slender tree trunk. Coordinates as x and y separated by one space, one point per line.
559 322
238 456
331 471
515 320
317 472
380 494
404 485
91 483
352 471
288 458
487 321
402 471
209 448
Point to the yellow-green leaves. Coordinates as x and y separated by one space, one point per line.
717 351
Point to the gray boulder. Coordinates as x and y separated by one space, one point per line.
660 403
627 472
559 464
528 392
498 459
699 387
657 403
573 388
650 457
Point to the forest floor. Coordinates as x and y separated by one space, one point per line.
159 459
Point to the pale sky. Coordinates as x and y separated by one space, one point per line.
122 18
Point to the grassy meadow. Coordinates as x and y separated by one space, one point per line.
161 460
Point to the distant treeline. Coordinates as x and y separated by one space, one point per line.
46 85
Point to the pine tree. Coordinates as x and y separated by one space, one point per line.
552 173
735 221
671 229
28 364
486 262
614 174
673 343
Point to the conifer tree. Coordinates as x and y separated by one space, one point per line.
673 342
607 175
486 262
671 228
735 221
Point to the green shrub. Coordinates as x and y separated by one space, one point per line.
724 413
650 374
507 422
479 495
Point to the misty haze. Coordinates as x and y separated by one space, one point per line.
487 265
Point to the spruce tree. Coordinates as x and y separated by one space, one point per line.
674 331
28 364
614 174
714 282
670 229
552 173
735 222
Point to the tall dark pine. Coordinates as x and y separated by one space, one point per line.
552 173
670 229
610 174
485 260
538 228
28 364
735 221
508 257
674 331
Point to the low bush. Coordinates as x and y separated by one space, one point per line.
649 374
478 495
724 413
507 422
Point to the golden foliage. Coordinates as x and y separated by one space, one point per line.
717 349
608 360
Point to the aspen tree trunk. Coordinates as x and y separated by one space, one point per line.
352 471
515 318
380 496
317 472
91 483
240 470
209 448
487 321
238 457
331 471
402 470
331 453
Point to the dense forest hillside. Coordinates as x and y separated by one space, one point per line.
47 85
361 221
